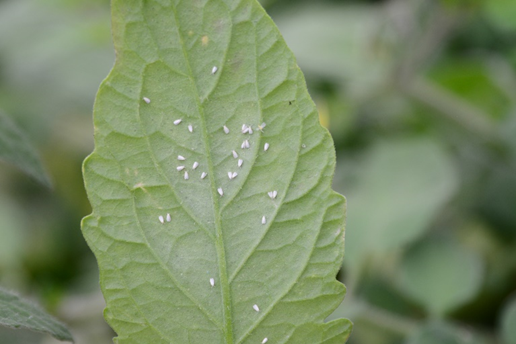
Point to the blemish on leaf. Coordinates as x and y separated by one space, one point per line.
138 186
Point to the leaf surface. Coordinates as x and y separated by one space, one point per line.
340 50
403 184
444 333
508 322
18 313
15 148
272 260
441 274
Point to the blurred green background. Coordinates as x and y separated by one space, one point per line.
420 97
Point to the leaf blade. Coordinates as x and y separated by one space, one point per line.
421 175
15 148
18 313
458 271
137 176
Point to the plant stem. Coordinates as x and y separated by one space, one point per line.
454 108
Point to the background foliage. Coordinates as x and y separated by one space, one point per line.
420 99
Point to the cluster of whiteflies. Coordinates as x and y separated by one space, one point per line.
246 129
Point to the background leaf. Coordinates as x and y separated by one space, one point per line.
161 229
443 333
351 47
502 13
508 323
18 313
16 149
440 274
400 187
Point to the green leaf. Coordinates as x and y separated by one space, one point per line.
15 148
501 13
508 323
47 47
444 333
13 237
156 276
441 274
403 184
18 313
346 44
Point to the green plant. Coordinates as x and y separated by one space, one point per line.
15 148
419 98
18 313
213 216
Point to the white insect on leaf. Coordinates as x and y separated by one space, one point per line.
226 129
272 194
147 100
261 126
265 147
190 128
220 191
235 154
245 144
195 165
264 220
230 175
240 162
169 218
178 121
247 129
234 175
161 219
214 70
186 176
180 157
256 308
180 168
203 175
265 340
212 282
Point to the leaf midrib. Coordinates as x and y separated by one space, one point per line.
227 328
219 242
218 239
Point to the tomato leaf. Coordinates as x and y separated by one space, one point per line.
15 148
206 231
18 313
